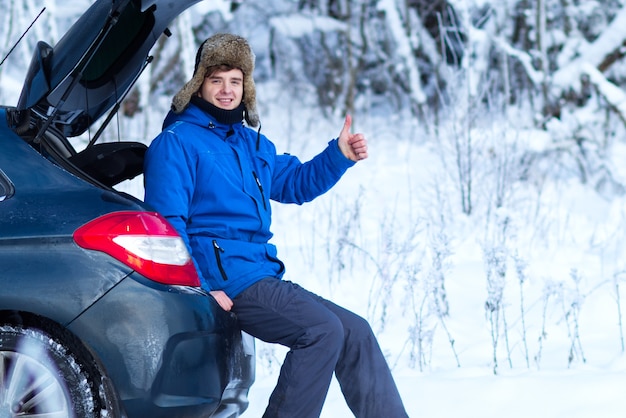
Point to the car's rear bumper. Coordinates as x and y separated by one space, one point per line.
170 352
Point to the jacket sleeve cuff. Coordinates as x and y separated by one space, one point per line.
337 157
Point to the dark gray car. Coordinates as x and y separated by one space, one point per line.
101 310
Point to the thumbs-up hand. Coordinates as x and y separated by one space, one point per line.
353 146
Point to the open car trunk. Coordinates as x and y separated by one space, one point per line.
85 75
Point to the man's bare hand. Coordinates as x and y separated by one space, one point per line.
353 146
222 299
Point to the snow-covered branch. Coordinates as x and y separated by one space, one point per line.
523 57
615 96
597 53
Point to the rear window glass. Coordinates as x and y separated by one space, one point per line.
130 31
6 188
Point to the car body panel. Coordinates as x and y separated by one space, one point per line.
36 272
182 362
43 193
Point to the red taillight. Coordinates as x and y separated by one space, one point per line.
144 241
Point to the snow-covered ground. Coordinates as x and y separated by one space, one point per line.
476 393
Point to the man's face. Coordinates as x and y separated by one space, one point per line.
223 89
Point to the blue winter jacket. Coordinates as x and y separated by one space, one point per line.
213 182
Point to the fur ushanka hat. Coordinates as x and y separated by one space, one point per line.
222 49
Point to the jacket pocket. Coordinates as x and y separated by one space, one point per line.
218 258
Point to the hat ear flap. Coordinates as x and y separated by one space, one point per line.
182 98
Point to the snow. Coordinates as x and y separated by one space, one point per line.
404 48
478 394
298 25
593 53
205 7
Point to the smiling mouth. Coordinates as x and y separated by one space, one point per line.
226 103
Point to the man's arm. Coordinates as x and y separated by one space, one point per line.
296 182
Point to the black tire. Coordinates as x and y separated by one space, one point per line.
49 373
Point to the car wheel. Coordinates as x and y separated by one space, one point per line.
42 374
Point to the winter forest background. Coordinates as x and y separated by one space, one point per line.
483 238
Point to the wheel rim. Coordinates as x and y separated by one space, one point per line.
30 388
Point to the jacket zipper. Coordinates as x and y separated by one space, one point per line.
217 249
260 186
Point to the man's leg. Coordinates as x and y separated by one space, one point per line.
281 312
362 371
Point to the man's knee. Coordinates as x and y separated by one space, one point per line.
358 329
329 334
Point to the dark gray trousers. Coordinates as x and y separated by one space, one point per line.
323 338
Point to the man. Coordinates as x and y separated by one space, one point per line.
213 178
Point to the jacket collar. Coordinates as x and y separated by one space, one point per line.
195 115
228 117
